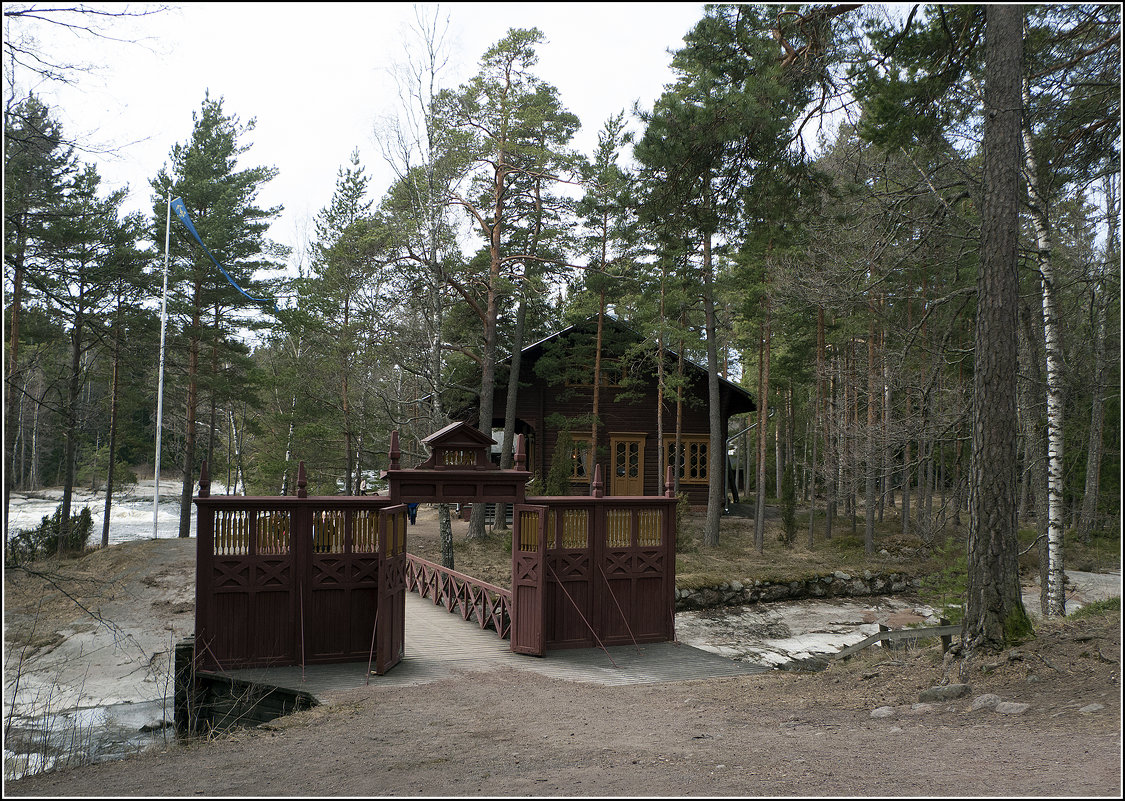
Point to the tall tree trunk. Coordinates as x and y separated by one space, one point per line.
717 470
831 449
817 420
1056 601
994 613
1031 398
112 426
349 465
500 519
15 304
70 428
492 311
662 460
873 397
763 428
1089 517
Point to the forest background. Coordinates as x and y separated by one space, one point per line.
836 282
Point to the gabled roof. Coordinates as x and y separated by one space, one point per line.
458 435
742 400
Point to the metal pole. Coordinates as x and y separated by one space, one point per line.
160 379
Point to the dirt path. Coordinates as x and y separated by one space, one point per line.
510 733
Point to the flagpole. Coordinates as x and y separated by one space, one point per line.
160 380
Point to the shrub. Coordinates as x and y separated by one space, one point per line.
36 543
946 589
558 476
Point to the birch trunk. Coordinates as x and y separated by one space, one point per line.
1056 602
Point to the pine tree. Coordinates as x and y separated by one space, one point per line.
221 201
499 129
38 164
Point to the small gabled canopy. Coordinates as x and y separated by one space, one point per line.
458 445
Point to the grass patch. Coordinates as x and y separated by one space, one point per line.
1105 607
736 559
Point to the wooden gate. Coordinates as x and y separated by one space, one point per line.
610 569
390 629
296 580
529 550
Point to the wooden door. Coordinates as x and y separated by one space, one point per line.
627 464
390 615
529 567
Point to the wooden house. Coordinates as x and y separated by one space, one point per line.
556 395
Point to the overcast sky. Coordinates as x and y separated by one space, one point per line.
315 77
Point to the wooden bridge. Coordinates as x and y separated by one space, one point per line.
306 580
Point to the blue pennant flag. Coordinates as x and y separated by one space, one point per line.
181 212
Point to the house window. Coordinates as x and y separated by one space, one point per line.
580 469
695 458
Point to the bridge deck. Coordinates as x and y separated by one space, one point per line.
440 644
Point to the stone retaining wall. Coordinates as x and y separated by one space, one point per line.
839 584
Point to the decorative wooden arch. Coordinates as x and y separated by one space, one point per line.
290 580
459 470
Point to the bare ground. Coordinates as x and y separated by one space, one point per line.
512 733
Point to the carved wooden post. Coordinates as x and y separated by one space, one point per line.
204 481
395 453
669 484
596 486
302 482
521 464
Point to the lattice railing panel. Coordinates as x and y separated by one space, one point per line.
486 604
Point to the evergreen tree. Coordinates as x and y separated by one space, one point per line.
499 128
221 201
38 164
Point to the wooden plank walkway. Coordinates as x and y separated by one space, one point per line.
440 645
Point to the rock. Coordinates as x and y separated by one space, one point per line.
883 712
949 692
775 592
1095 707
986 701
1011 708
842 575
811 664
920 708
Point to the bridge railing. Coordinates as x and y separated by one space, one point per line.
487 605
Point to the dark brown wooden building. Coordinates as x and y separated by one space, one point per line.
556 395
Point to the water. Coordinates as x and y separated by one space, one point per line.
37 743
130 513
41 736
